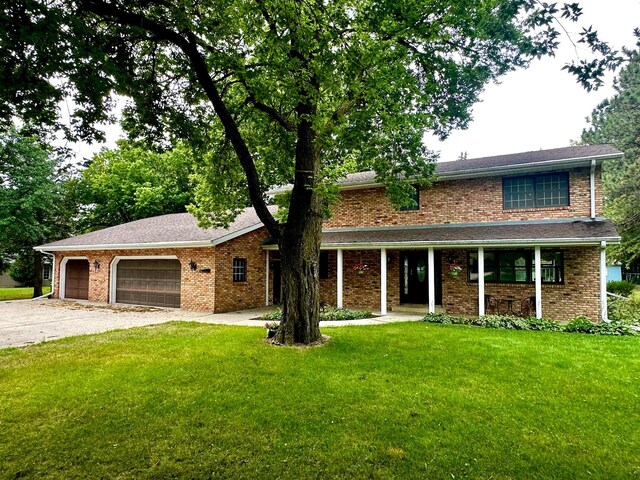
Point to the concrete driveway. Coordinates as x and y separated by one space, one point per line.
24 322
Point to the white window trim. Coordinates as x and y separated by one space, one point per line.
113 269
63 274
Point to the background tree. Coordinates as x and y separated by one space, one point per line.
30 201
277 92
617 121
132 182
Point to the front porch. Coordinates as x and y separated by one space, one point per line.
432 280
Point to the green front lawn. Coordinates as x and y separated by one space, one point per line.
19 293
410 400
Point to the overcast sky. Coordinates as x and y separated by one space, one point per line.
537 108
543 106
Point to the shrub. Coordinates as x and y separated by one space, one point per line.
580 324
344 314
328 314
622 288
625 310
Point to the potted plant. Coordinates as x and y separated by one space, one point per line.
272 328
361 268
455 269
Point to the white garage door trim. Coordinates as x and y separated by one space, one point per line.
113 269
63 274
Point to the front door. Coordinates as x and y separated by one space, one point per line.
414 284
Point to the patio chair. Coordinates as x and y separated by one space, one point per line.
491 304
528 307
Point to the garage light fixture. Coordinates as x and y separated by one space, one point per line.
96 265
193 265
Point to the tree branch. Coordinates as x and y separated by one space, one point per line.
189 47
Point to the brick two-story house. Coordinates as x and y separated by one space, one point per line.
519 233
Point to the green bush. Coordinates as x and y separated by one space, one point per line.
327 314
580 324
624 310
622 288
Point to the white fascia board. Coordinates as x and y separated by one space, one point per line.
522 168
559 242
125 246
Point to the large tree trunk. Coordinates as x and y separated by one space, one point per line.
37 274
300 248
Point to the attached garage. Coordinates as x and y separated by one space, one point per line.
76 280
148 282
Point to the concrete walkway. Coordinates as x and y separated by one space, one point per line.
24 322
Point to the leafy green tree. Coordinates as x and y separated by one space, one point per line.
131 182
617 121
29 202
274 92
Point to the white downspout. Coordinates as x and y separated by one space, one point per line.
592 185
53 275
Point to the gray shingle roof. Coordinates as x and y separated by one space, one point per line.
544 231
581 154
172 228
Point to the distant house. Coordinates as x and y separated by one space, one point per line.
520 233
7 281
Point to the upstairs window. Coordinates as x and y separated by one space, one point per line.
239 269
415 199
534 191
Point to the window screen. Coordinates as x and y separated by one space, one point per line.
550 190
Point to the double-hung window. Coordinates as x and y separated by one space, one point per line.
535 191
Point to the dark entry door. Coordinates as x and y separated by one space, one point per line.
76 281
414 271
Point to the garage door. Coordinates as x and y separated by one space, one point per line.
148 282
76 279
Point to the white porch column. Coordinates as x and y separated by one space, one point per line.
266 282
431 278
383 281
604 310
339 279
481 311
538 270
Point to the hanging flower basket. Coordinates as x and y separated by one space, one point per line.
361 268
455 269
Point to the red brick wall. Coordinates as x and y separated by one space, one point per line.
230 295
197 288
458 201
579 295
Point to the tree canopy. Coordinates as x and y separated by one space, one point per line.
132 182
30 200
276 92
617 121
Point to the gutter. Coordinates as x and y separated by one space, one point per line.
558 242
475 172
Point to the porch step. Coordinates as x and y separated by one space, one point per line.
414 309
